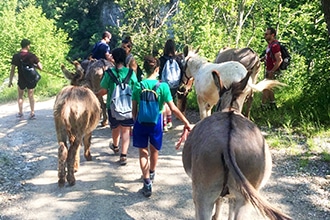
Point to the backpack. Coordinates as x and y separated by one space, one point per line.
121 99
29 73
148 106
171 73
285 56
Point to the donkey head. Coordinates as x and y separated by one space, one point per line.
230 98
77 77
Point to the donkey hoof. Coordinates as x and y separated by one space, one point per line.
61 183
72 181
104 123
88 157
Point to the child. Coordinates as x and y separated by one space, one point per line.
143 134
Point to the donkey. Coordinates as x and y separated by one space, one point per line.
91 72
200 69
250 59
234 161
76 114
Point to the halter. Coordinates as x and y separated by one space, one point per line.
185 72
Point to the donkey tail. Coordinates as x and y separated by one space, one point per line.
265 84
247 190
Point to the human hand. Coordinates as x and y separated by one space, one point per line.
183 137
10 84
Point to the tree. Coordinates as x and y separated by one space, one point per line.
326 10
47 41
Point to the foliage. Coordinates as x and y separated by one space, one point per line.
47 42
149 25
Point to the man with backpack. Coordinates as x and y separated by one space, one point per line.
273 60
148 120
118 83
24 56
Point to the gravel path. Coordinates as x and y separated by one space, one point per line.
106 190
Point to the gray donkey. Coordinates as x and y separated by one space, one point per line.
226 155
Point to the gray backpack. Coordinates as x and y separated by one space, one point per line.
171 73
121 99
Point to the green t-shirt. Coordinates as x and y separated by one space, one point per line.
163 91
109 84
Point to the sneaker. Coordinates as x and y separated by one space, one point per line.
123 161
114 148
165 129
169 125
19 115
152 176
147 189
32 117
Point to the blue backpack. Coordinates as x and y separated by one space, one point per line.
149 106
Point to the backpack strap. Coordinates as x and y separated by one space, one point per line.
128 77
156 86
113 77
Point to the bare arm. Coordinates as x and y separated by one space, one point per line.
133 65
278 58
12 73
179 115
109 57
134 109
39 66
101 92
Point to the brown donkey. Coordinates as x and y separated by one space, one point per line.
226 155
76 115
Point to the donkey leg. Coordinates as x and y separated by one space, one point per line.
248 105
77 160
70 162
62 158
218 206
204 203
242 208
87 143
203 107
104 112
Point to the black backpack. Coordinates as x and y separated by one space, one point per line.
285 56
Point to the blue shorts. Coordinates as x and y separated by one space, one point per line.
114 123
142 134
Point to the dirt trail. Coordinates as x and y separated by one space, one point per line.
106 190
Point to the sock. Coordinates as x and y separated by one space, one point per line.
169 118
151 171
147 181
123 155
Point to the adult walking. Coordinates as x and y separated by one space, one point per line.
33 61
273 60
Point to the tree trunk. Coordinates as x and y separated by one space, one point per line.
326 10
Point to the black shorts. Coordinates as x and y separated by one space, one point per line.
22 84
114 123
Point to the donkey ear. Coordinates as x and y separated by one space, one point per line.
185 50
197 50
218 82
238 87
